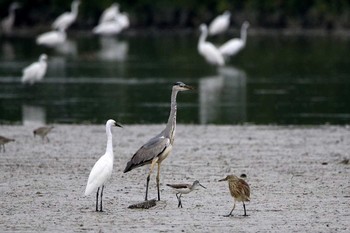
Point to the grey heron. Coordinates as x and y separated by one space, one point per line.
239 190
184 189
159 147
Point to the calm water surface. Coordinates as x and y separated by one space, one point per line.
274 80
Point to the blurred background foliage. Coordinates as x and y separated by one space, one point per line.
325 14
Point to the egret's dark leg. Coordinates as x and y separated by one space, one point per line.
101 198
245 213
158 173
98 190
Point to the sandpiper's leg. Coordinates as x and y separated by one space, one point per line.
158 173
98 190
154 161
178 205
47 138
180 202
101 198
245 213
230 214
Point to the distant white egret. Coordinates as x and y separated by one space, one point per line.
233 46
108 28
52 38
123 20
208 50
220 24
36 71
7 23
66 19
110 13
102 170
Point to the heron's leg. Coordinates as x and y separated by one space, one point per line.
230 214
154 161
245 213
98 190
158 173
101 198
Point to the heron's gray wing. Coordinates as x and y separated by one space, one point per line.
153 148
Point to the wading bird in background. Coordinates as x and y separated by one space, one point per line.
36 71
3 141
239 190
52 38
42 132
66 19
233 46
207 49
7 23
220 24
160 146
180 189
102 170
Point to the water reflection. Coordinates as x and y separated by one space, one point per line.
222 98
8 52
112 49
33 115
68 48
56 66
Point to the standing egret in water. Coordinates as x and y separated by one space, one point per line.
52 38
102 170
220 24
66 19
159 147
239 190
7 23
36 71
233 46
207 49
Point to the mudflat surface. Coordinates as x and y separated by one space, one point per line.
299 179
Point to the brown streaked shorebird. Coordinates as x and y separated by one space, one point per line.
3 141
160 146
184 189
239 190
43 131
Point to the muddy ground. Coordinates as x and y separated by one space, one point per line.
299 179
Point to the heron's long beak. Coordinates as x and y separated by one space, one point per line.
119 125
189 87
222 179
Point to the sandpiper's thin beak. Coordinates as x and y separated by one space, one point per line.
223 179
202 186
119 125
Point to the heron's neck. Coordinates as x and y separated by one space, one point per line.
109 148
171 125
244 34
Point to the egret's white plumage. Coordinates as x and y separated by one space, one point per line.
102 170
208 50
7 23
66 19
110 13
36 71
123 20
220 24
108 28
52 38
233 46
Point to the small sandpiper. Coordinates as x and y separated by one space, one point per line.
184 189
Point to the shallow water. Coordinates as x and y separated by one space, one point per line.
274 80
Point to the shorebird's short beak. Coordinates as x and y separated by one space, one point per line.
202 186
119 125
223 179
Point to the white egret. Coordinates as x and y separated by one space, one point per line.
102 170
36 71
52 38
108 28
208 50
66 19
220 24
7 23
123 20
110 13
233 46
